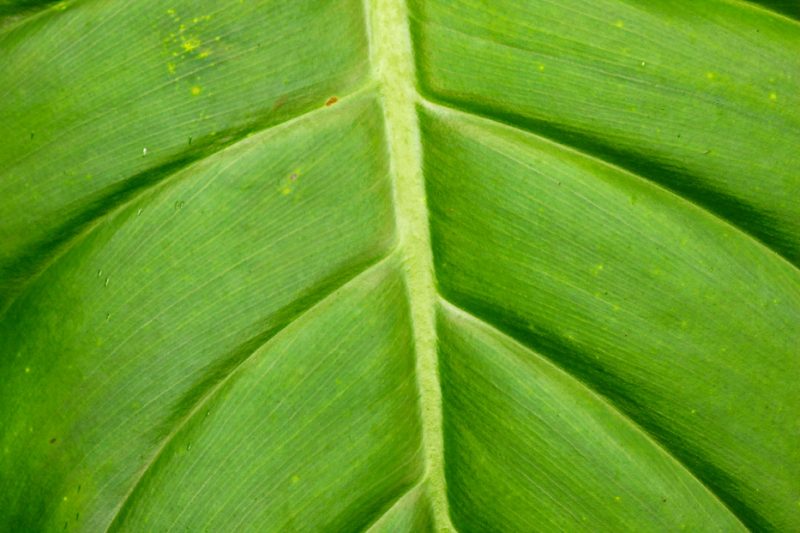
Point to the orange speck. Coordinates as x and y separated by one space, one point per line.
332 100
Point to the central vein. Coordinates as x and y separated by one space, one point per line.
391 56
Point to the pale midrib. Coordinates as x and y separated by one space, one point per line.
392 61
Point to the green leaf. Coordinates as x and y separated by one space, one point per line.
307 265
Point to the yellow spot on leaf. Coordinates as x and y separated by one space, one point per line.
710 75
773 96
196 90
27 370
191 44
541 67
295 479
171 68
619 24
286 190
61 6
204 54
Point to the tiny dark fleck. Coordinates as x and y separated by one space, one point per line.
190 141
53 440
332 100
31 135
664 500
79 488
293 177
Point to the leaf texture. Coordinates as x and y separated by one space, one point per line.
519 265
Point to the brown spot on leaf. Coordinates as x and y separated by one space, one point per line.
332 100
279 103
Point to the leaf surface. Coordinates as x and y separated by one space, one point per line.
345 266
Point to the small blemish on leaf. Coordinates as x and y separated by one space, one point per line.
330 101
196 90
191 44
53 440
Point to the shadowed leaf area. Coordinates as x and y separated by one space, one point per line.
400 266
